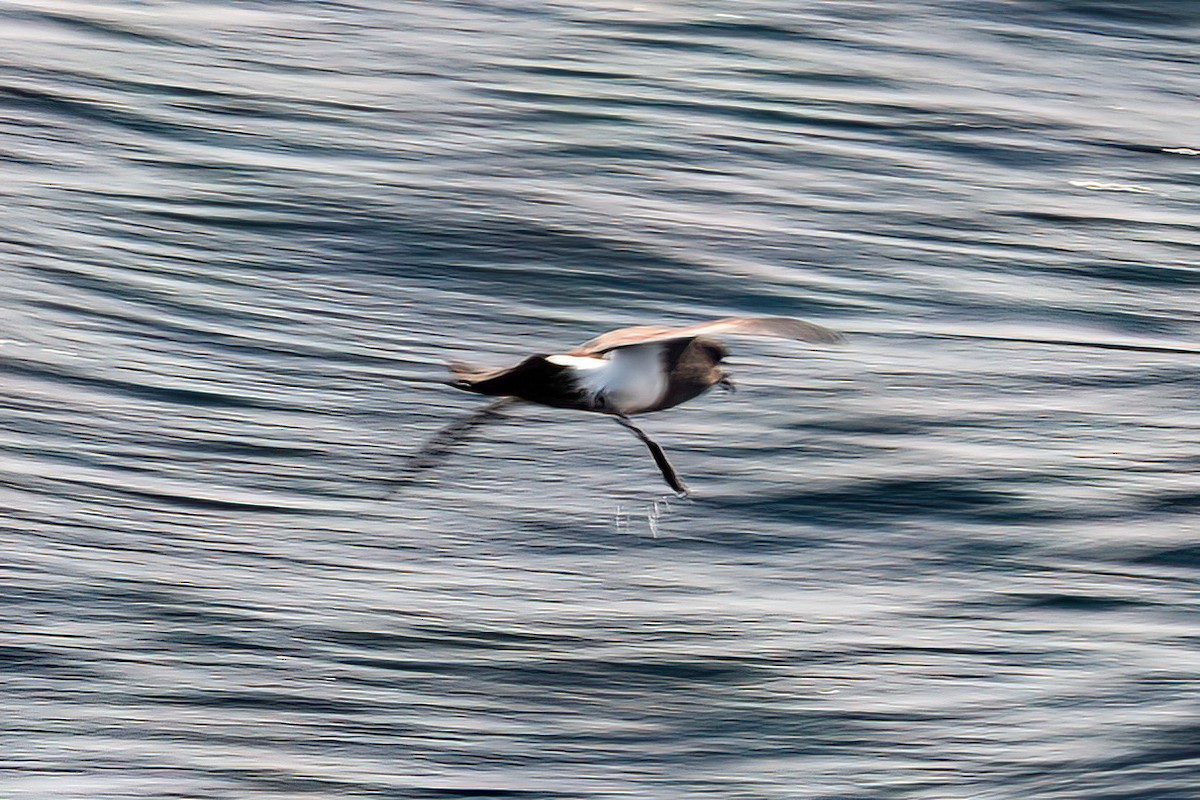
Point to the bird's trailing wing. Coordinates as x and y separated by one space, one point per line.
783 327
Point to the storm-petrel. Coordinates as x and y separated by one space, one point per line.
629 371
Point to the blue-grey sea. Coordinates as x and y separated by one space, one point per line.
955 557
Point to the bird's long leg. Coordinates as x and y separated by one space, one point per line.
660 458
441 443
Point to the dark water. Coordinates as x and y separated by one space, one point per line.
239 240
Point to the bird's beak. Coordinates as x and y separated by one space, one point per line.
726 383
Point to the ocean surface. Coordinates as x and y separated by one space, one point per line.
955 557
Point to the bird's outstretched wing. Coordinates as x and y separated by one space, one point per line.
784 327
440 445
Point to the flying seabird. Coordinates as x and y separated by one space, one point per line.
623 373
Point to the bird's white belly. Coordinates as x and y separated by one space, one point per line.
627 380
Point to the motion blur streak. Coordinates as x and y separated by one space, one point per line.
954 557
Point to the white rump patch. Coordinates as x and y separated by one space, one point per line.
628 379
578 362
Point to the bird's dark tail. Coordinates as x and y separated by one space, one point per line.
536 378
465 376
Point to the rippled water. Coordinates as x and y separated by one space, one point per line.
954 557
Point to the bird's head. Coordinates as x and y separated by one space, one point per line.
716 351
